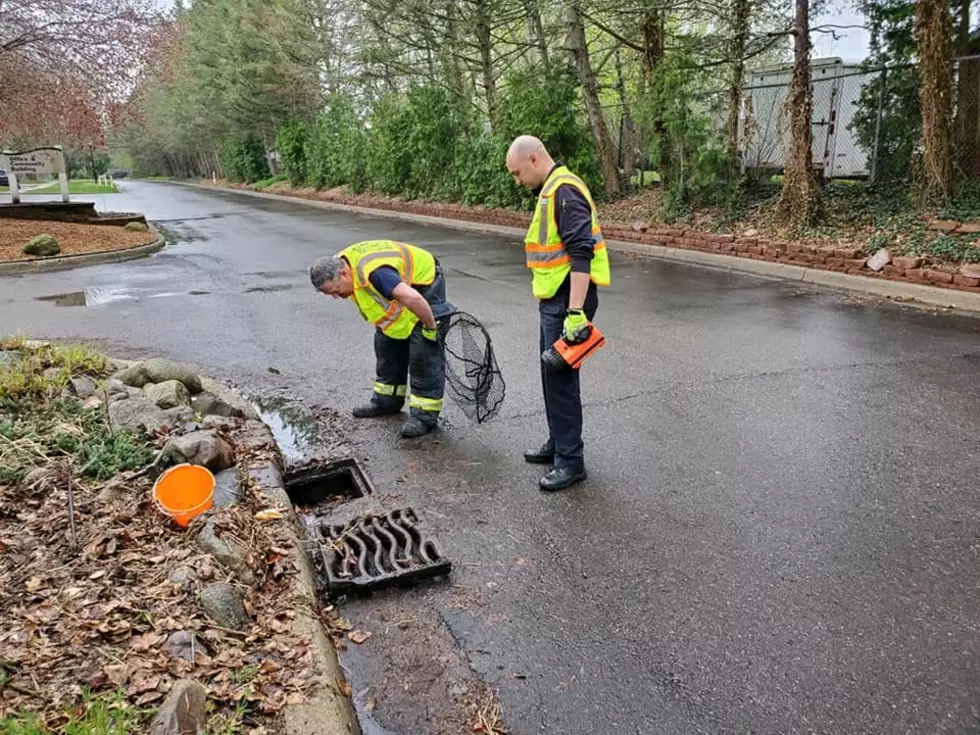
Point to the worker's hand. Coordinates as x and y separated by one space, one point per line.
576 327
431 334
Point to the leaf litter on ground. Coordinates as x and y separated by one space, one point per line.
92 611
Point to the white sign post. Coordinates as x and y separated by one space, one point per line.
37 161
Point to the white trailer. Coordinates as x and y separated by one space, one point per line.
836 89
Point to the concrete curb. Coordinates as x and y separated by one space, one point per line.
896 290
65 262
327 712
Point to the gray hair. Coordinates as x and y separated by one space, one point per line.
325 270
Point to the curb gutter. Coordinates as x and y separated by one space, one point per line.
916 293
65 262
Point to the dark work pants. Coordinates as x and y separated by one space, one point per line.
562 394
417 357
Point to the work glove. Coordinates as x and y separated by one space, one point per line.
576 327
430 334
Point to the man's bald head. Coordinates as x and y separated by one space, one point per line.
528 161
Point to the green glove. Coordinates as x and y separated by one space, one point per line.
576 326
430 334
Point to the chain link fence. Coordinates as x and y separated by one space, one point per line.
866 122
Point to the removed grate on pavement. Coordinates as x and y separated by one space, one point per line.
373 550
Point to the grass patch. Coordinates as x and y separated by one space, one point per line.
77 186
95 715
39 424
266 183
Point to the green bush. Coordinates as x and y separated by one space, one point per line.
335 149
243 159
292 142
389 164
482 173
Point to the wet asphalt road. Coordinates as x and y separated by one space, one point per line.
779 533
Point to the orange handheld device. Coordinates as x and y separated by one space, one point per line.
564 355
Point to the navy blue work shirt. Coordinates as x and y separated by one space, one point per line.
573 216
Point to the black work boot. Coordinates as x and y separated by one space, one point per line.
544 455
561 478
414 427
373 410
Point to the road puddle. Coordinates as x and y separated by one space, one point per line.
296 430
88 297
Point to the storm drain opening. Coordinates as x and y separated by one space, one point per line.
373 551
318 485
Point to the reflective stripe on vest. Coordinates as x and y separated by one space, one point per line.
390 316
545 253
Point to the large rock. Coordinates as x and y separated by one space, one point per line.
225 552
159 370
138 412
879 260
227 488
184 712
168 394
207 404
83 386
181 415
42 246
223 604
203 448
136 227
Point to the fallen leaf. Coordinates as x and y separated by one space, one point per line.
97 575
34 584
294 698
117 674
269 514
359 636
343 687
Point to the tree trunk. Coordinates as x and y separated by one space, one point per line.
485 43
799 201
652 25
535 28
740 32
627 133
933 39
590 91
967 101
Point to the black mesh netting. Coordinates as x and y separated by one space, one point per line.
473 378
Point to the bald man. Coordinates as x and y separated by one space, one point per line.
567 257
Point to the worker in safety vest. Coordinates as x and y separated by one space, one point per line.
401 290
567 256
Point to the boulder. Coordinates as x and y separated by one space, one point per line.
181 415
138 412
203 448
159 370
207 404
226 552
42 246
227 488
970 269
136 227
168 394
184 712
224 605
83 386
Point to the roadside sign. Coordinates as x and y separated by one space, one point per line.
35 162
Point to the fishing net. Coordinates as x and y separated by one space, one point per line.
473 379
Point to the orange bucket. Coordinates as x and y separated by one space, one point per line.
184 492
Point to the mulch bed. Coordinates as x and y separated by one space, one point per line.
74 238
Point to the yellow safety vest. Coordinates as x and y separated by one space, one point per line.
415 266
545 252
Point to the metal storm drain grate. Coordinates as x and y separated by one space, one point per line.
374 551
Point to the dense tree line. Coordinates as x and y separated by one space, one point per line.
421 97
